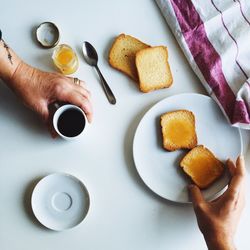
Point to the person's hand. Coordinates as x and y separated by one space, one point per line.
39 89
218 219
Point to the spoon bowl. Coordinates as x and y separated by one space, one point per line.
90 54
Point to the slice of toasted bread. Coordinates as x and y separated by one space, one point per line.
202 166
153 69
122 54
178 130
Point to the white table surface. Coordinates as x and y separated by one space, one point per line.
124 214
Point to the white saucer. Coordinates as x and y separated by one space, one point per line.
60 201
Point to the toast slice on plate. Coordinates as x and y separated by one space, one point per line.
202 166
178 130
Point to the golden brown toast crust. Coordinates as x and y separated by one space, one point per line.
167 144
209 169
132 73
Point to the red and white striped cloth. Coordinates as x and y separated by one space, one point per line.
215 37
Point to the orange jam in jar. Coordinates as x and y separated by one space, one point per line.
65 59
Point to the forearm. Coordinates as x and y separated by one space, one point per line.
9 62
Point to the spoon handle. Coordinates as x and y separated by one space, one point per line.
106 87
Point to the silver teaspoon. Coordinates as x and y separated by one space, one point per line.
91 57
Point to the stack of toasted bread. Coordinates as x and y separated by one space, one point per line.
144 64
200 164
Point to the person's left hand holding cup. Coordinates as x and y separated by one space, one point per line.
39 89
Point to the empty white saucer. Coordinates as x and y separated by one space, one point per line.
60 201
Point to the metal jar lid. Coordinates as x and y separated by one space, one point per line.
47 34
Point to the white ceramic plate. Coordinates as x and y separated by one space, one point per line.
160 169
60 201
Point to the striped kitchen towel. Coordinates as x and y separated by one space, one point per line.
215 37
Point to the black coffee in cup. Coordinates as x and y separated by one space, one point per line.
71 122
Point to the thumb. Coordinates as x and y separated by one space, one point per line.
195 195
47 117
42 110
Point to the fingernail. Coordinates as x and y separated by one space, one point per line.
191 186
90 119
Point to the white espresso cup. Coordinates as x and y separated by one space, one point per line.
69 121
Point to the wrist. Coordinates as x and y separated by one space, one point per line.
9 61
22 74
219 241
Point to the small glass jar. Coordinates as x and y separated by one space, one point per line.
65 59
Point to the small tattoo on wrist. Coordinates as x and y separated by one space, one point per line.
8 51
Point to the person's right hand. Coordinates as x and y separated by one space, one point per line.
38 89
218 219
